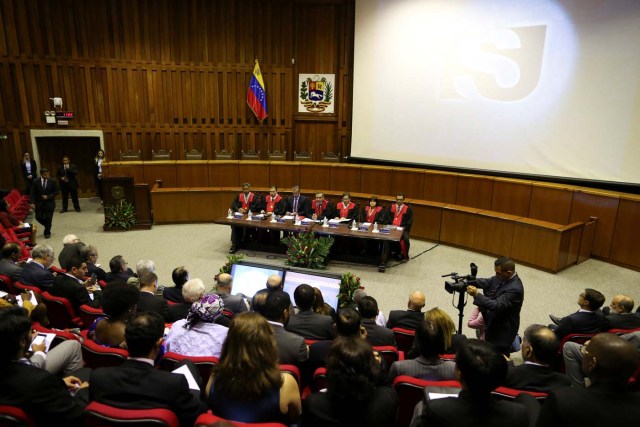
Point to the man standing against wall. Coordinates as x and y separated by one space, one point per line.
43 197
68 183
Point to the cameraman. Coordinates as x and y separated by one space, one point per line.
501 304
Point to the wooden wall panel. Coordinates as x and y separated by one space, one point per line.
206 205
375 180
315 176
494 233
254 172
536 243
224 173
132 169
427 220
625 248
169 205
163 170
407 181
458 225
511 196
284 174
345 177
191 173
602 205
440 186
474 191
551 202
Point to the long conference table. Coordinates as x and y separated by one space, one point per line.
341 231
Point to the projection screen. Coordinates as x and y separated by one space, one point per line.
532 87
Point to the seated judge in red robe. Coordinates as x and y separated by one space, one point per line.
273 204
373 212
246 201
322 208
346 209
402 216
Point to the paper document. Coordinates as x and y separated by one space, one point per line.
184 370
433 396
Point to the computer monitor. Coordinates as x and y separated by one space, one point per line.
328 284
249 278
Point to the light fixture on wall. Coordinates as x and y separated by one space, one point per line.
57 102
3 136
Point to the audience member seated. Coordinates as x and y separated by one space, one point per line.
259 300
620 314
136 384
192 291
609 361
118 270
10 222
198 334
248 385
321 307
180 276
376 335
274 283
452 340
306 323
291 347
36 272
412 317
357 297
70 285
9 263
71 247
429 365
353 397
539 350
588 320
44 396
481 369
119 303
89 255
234 303
149 301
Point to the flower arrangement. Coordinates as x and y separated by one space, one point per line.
120 215
307 250
348 285
231 259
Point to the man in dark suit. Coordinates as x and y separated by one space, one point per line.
306 323
291 347
481 369
588 320
89 254
118 270
71 286
234 303
179 276
66 174
136 384
36 272
42 395
501 304
298 204
412 317
43 195
29 170
376 335
608 361
539 349
149 301
620 315
8 263
71 247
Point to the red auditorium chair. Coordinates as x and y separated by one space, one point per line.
98 356
410 391
404 338
89 314
204 364
506 393
206 420
12 416
60 312
101 415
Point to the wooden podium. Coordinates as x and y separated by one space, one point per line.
122 187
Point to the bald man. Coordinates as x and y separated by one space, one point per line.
608 361
234 303
410 318
620 314
274 283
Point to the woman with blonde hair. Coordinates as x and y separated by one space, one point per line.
248 385
442 320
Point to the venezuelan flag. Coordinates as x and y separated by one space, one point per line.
256 94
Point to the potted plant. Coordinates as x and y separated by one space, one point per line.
120 216
348 285
307 250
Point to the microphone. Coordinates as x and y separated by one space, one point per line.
450 274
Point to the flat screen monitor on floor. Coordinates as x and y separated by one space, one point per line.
328 284
249 278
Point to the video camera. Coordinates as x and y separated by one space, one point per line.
460 283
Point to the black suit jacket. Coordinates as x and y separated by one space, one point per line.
40 394
291 348
14 271
623 321
34 171
233 303
120 276
69 288
37 191
150 302
534 378
138 385
36 275
310 325
173 293
69 251
464 411
304 206
99 272
378 335
408 319
502 311
597 405
582 322
72 181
